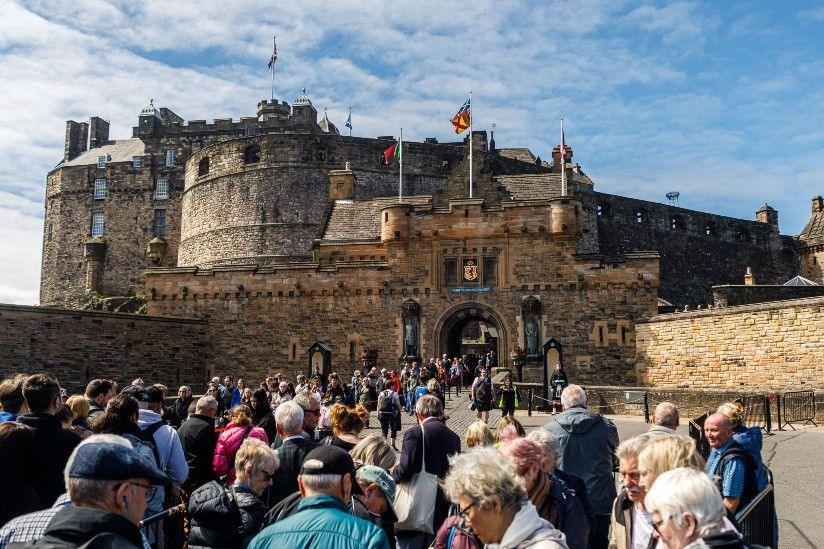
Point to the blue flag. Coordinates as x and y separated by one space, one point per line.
349 120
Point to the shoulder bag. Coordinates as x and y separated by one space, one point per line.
415 500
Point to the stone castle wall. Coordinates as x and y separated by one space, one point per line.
761 347
78 346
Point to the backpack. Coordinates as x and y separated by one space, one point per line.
147 437
483 391
386 402
750 480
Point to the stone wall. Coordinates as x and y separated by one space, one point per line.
731 295
77 346
762 347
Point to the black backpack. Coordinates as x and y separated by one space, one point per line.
386 402
750 478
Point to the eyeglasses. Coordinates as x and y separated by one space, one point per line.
151 490
462 512
657 524
269 476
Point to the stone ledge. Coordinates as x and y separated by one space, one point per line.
36 309
737 309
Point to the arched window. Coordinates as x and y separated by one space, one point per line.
677 223
640 217
203 166
251 155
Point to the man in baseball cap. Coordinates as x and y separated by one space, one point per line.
376 502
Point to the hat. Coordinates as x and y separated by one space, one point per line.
373 474
138 392
330 460
109 461
154 395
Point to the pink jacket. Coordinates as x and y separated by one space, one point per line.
228 444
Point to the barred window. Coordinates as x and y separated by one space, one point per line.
101 161
159 223
100 191
97 224
162 189
137 162
170 157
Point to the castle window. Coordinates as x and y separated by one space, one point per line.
599 210
170 157
159 223
710 229
100 191
639 217
49 233
101 161
489 271
162 189
252 130
451 272
137 162
97 224
203 166
251 154
677 223
351 351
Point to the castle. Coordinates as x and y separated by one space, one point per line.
277 231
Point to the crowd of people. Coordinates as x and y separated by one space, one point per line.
289 464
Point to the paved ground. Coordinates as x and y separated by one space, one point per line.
796 459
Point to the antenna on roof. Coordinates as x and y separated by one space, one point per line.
672 196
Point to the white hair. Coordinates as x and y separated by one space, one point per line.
547 440
429 406
186 389
207 402
86 490
573 396
320 482
482 475
289 415
630 448
687 490
666 415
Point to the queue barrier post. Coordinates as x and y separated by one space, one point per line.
529 403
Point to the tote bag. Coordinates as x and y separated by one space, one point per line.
415 500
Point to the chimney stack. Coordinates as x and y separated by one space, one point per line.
76 134
98 132
818 204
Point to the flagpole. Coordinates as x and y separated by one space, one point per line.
400 171
350 120
470 142
274 49
563 162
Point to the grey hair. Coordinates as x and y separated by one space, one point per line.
481 476
289 415
429 406
685 490
84 490
187 389
574 396
630 448
374 450
666 414
256 453
207 402
547 440
321 482
305 400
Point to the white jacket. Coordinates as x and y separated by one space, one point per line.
528 530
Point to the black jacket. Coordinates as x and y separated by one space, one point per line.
52 447
92 528
218 520
94 411
267 423
180 408
198 440
441 443
285 482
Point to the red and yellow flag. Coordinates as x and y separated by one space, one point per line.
461 120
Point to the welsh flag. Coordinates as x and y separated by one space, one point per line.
392 153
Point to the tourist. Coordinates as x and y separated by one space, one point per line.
179 410
374 450
553 500
508 428
109 486
509 397
347 425
494 502
376 501
368 396
16 493
198 440
213 390
310 404
631 522
335 392
52 444
12 403
230 516
410 384
98 394
478 434
262 415
228 443
687 511
665 419
247 397
483 395
231 394
291 452
730 464
241 387
588 443
558 382
389 411
433 387
748 437
172 461
138 382
322 518
282 395
80 410
373 376
438 442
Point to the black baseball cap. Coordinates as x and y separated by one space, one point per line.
330 460
154 395
138 392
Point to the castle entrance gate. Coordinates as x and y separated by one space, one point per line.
471 329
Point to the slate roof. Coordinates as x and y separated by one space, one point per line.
800 281
814 227
121 150
533 186
518 153
360 219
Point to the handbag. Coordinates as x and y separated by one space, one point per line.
415 500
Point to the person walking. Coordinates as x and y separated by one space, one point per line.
509 398
483 395
389 412
239 429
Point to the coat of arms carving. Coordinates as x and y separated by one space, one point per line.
470 271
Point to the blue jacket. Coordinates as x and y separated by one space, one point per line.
752 440
321 521
6 417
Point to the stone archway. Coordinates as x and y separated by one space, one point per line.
452 322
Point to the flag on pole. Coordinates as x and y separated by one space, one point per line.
462 120
563 161
349 120
392 153
274 56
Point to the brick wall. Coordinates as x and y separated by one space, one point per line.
78 346
767 346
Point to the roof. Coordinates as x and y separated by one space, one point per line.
532 186
327 125
800 281
814 227
360 219
121 150
518 153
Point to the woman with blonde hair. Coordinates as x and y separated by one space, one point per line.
665 453
748 437
374 450
479 434
509 428
80 408
239 429
347 425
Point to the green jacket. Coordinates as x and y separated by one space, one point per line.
321 521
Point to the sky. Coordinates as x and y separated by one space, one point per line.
720 101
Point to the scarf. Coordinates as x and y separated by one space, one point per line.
542 500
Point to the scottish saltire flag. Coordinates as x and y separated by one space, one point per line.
461 120
349 120
274 56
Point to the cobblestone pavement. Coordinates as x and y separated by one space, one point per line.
796 459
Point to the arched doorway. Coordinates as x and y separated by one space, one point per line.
471 329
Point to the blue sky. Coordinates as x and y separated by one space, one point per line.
721 101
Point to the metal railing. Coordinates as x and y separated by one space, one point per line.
696 432
757 412
799 406
757 520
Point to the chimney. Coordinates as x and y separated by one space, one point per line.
76 134
749 279
98 132
767 214
818 204
556 157
342 183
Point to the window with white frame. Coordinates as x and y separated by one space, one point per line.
162 189
101 161
170 157
97 224
137 162
100 191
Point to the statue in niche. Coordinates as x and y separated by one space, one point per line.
531 311
532 337
411 312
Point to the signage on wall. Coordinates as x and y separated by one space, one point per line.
465 290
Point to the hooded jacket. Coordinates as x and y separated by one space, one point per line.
528 530
74 526
752 441
216 522
588 443
228 443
